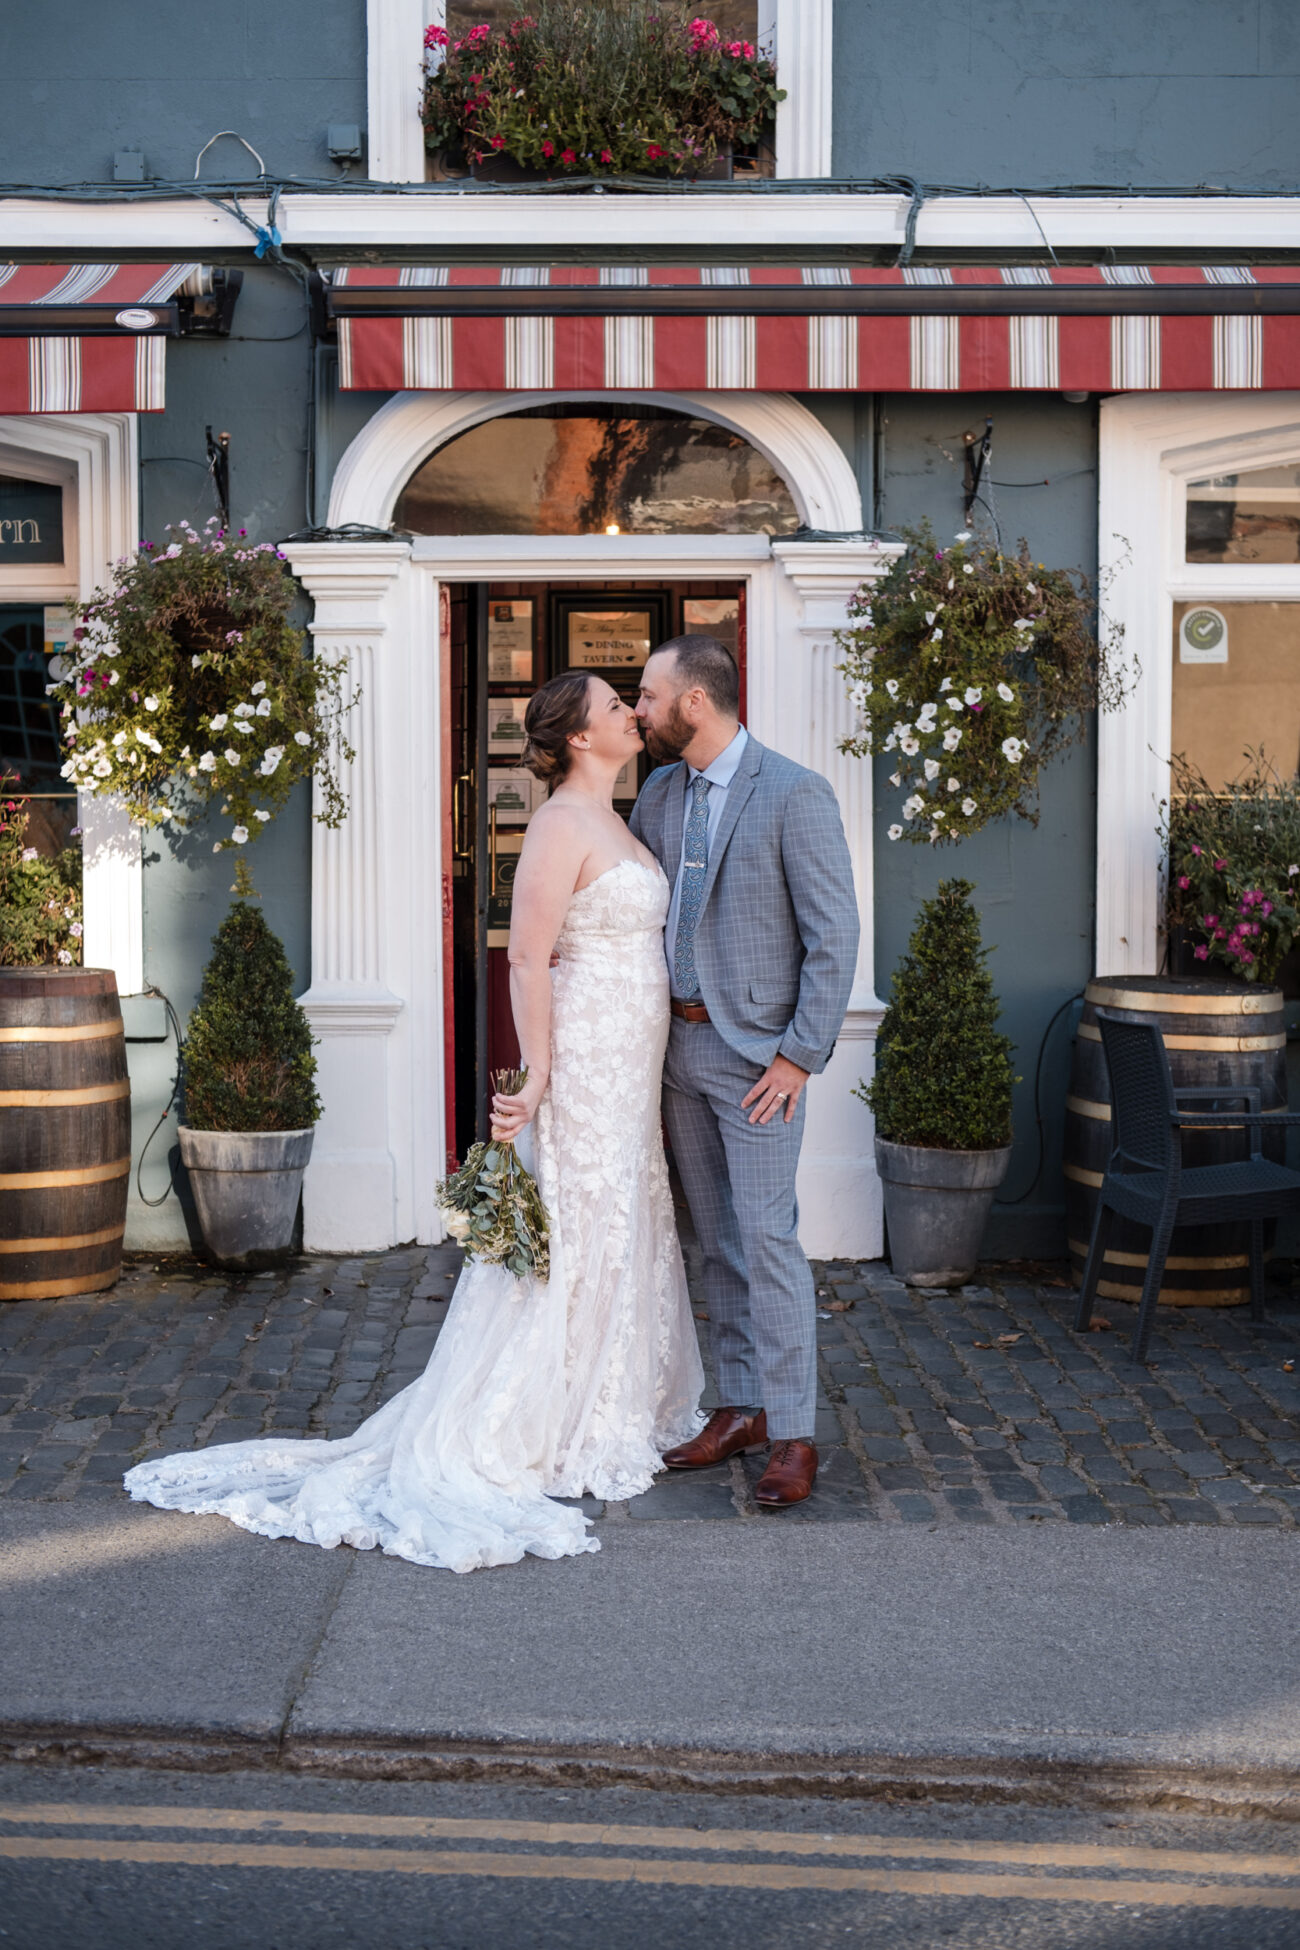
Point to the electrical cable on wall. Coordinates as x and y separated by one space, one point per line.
1020 1197
172 1101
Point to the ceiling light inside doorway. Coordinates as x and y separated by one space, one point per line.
612 528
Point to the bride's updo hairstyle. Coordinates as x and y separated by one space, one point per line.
561 707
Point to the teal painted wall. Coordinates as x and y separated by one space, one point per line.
1034 885
1171 92
255 387
83 81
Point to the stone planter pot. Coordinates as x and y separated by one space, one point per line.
936 1204
246 1187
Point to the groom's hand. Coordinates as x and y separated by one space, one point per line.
779 1087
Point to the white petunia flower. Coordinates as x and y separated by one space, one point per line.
968 807
243 710
952 738
932 768
208 762
64 956
895 778
112 676
119 737
973 694
219 722
909 746
270 760
955 704
964 536
302 738
937 637
954 785
1023 623
946 684
895 832
29 853
1032 587
151 704
1006 693
967 569
231 755
1012 750
102 768
239 835
242 724
259 814
912 806
930 615
195 662
891 685
258 687
264 708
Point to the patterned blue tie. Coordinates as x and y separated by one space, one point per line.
694 867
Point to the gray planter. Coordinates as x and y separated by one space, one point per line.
936 1204
246 1186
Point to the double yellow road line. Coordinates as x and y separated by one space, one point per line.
716 1858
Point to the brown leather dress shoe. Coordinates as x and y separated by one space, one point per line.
728 1432
790 1474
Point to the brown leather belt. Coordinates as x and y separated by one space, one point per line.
689 1011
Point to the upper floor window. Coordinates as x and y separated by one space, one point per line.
1251 516
570 470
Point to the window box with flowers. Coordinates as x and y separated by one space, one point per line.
1233 887
585 89
972 669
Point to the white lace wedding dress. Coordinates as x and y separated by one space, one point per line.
533 1391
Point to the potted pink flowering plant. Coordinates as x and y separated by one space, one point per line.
595 88
1233 891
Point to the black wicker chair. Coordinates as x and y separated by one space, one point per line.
1146 1180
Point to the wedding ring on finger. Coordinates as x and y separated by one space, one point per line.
781 1096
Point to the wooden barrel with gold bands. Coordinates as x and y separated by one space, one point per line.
1220 1036
65 1132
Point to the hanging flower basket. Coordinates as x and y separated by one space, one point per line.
595 88
190 687
972 670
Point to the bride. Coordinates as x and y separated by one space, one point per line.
535 1390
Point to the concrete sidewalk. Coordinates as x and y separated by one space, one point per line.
1047 1661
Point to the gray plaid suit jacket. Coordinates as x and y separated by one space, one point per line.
777 939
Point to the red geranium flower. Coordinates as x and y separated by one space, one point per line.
567 156
498 142
548 149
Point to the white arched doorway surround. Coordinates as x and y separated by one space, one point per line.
95 456
376 999
1151 446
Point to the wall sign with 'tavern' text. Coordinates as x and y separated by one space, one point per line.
31 522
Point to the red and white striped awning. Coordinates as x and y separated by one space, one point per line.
86 338
814 328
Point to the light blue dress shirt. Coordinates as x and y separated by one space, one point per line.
719 775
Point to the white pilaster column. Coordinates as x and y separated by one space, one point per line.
350 1197
841 1213
803 63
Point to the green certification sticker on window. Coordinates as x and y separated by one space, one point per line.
1203 636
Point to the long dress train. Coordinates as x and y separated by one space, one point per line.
535 1390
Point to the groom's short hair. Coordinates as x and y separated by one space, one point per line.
705 663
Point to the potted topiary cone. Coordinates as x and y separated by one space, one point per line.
941 1096
250 1099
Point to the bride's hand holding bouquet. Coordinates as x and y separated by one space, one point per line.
492 1206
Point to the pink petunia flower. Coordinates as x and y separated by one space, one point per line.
548 149
1184 882
1202 954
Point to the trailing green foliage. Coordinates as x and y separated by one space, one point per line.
973 669
248 1060
943 1072
188 687
40 897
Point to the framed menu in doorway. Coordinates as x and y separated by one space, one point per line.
510 641
611 632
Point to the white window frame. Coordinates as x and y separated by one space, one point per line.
1151 446
798 32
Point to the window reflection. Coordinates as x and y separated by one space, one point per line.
1236 686
564 470
736 20
1252 516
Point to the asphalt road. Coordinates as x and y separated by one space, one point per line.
118 1859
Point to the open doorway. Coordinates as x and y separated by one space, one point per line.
500 641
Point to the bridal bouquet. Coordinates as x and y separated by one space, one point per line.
492 1205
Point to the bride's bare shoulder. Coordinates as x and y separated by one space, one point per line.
559 830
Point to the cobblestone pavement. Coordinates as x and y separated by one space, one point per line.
979 1406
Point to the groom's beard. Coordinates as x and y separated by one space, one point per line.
668 741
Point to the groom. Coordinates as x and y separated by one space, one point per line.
761 940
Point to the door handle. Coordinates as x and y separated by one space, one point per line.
461 800
492 849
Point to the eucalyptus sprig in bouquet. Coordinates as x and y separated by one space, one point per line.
492 1205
